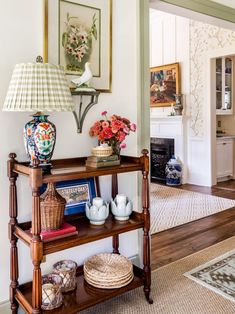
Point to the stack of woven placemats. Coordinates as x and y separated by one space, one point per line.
108 271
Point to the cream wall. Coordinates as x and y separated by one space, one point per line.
21 37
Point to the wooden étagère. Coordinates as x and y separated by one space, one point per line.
29 295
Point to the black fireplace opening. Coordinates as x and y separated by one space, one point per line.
162 149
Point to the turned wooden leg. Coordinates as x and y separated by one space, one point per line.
114 193
14 276
146 216
36 246
147 268
14 270
116 244
37 289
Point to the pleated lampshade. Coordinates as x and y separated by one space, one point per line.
38 87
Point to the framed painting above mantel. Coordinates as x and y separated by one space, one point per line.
164 84
80 31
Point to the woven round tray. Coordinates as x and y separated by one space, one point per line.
108 271
112 281
109 285
108 266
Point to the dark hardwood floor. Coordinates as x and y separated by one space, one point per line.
173 244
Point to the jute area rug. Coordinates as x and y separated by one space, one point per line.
171 207
172 292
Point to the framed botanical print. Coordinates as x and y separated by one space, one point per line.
80 31
164 84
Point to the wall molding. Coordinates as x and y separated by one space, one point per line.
205 7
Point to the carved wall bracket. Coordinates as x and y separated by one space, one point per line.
83 109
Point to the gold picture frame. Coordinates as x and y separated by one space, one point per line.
164 84
86 19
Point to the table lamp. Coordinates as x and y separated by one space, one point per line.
39 87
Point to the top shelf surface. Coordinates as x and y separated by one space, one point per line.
75 168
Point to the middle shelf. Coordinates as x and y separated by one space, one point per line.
86 232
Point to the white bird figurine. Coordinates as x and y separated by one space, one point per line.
84 78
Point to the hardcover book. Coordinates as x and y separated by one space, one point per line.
66 229
102 159
102 164
60 236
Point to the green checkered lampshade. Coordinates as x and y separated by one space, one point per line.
38 87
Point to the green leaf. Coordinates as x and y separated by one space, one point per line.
64 39
73 17
94 32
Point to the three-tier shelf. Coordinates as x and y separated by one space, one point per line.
29 295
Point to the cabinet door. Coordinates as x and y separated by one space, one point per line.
219 85
228 84
224 86
224 158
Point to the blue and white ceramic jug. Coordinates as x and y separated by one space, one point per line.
174 171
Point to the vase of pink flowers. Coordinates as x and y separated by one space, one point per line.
112 131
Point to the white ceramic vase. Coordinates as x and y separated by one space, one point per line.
98 211
121 207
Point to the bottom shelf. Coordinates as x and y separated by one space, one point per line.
83 297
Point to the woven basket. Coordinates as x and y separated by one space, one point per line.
52 209
100 151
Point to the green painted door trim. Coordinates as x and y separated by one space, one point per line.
143 106
206 7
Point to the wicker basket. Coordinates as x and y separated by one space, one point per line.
52 209
102 151
51 292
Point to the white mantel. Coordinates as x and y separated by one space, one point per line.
172 127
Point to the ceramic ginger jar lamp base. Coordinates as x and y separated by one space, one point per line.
39 139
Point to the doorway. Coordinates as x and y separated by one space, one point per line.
201 148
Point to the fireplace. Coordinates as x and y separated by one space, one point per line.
162 150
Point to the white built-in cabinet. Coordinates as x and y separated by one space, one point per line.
224 158
224 85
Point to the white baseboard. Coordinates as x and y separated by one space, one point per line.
135 260
5 307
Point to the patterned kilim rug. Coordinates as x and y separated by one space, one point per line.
217 275
171 207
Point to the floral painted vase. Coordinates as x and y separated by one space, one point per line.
174 172
39 139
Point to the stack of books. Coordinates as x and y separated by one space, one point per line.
100 162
